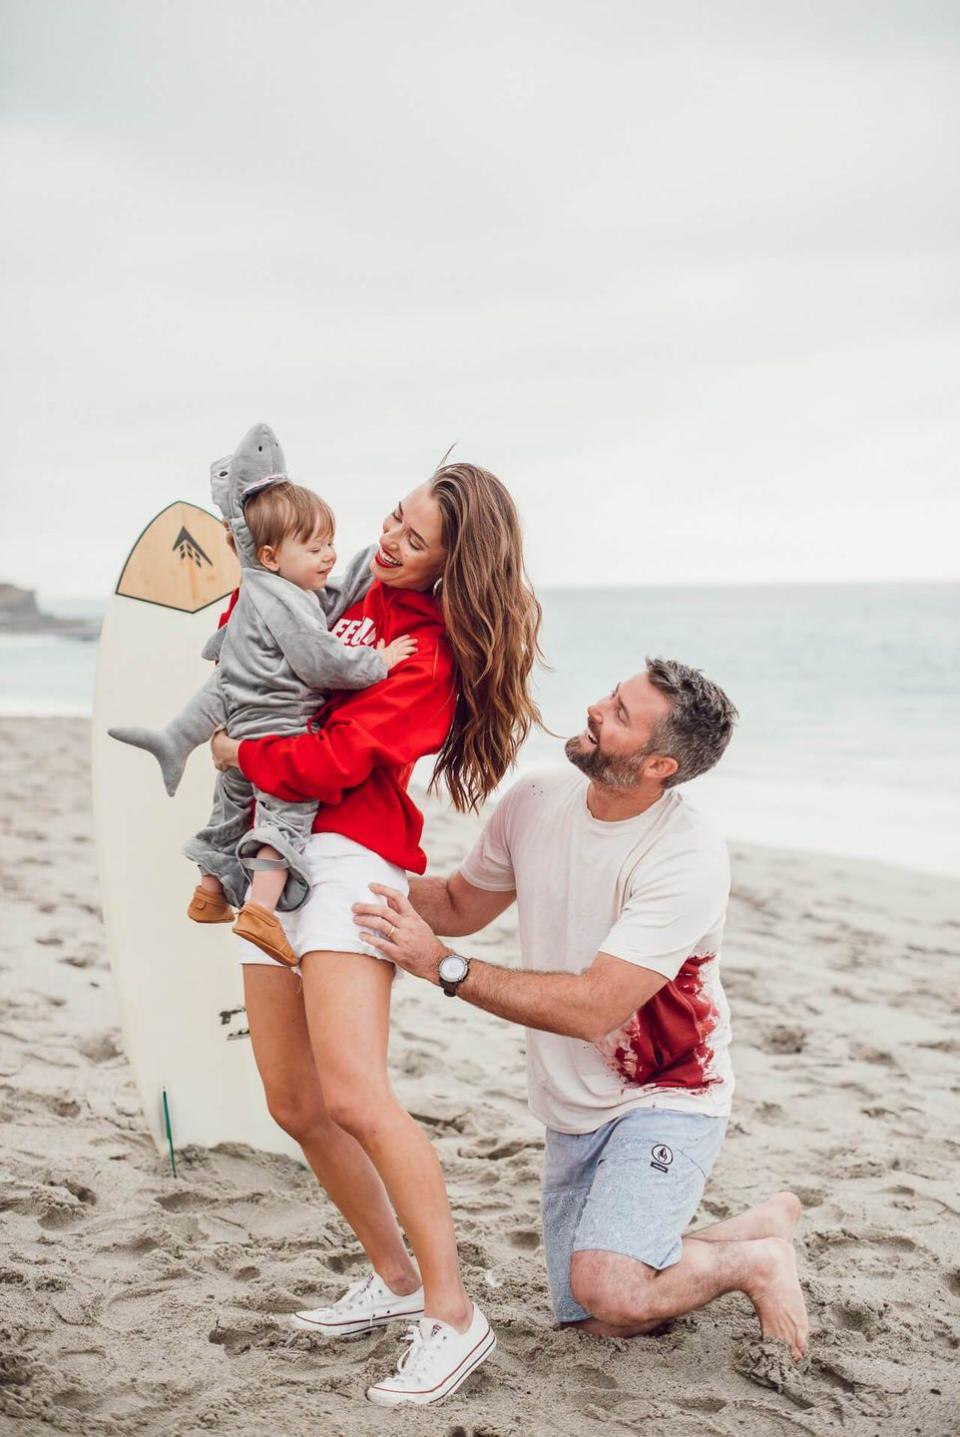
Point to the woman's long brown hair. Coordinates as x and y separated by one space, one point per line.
492 619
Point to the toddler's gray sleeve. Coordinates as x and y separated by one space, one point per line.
298 627
321 660
345 589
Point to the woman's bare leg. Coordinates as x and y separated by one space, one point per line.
281 1047
347 1001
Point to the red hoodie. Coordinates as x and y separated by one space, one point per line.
358 758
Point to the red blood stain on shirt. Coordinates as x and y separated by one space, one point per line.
667 1042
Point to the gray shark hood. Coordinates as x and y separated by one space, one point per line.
257 463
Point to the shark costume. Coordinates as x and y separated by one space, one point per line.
277 662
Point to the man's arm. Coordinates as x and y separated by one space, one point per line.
453 907
576 1005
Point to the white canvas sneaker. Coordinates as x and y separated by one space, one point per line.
437 1360
365 1305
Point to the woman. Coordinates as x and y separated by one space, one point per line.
448 571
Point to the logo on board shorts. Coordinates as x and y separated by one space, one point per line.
662 1157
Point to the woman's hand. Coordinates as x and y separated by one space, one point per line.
396 929
225 750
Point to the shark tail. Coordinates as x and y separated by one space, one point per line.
169 754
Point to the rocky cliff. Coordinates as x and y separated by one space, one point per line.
20 614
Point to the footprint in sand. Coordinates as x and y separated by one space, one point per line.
594 1377
700 1404
865 1053
525 1238
84 959
865 1317
784 1038
186 1200
54 1204
237 1340
417 1063
101 1047
510 1149
138 1246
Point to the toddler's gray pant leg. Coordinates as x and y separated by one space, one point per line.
285 827
214 848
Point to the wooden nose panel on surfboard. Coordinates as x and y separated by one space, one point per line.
181 560
179 984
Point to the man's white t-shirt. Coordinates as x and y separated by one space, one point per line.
651 890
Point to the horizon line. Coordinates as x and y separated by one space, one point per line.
48 596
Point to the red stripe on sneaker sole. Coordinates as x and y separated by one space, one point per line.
352 1324
474 1357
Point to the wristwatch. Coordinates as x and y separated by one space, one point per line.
452 970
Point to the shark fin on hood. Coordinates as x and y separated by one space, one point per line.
256 463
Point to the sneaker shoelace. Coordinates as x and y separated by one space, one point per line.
354 1292
411 1364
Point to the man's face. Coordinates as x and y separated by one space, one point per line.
616 747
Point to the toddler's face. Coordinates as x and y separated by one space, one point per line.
304 562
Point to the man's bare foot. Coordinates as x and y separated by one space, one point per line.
774 1290
777 1217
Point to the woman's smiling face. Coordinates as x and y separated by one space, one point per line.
411 553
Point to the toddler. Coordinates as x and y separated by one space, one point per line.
277 663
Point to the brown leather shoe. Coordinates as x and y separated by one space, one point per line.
263 928
209 907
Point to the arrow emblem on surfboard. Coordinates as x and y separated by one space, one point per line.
181 561
189 548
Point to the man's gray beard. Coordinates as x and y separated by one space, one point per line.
601 768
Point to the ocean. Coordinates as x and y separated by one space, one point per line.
849 699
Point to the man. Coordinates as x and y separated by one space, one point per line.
622 890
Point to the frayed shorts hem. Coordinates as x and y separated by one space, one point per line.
340 872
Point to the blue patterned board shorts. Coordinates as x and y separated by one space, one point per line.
630 1187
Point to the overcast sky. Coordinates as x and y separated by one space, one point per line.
685 275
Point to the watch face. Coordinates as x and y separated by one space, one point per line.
453 968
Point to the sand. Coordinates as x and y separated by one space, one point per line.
133 1302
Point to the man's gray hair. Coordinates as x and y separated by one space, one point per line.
699 727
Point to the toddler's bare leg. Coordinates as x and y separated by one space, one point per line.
266 884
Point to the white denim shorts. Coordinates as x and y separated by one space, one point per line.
341 872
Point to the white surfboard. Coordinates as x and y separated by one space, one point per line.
179 983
